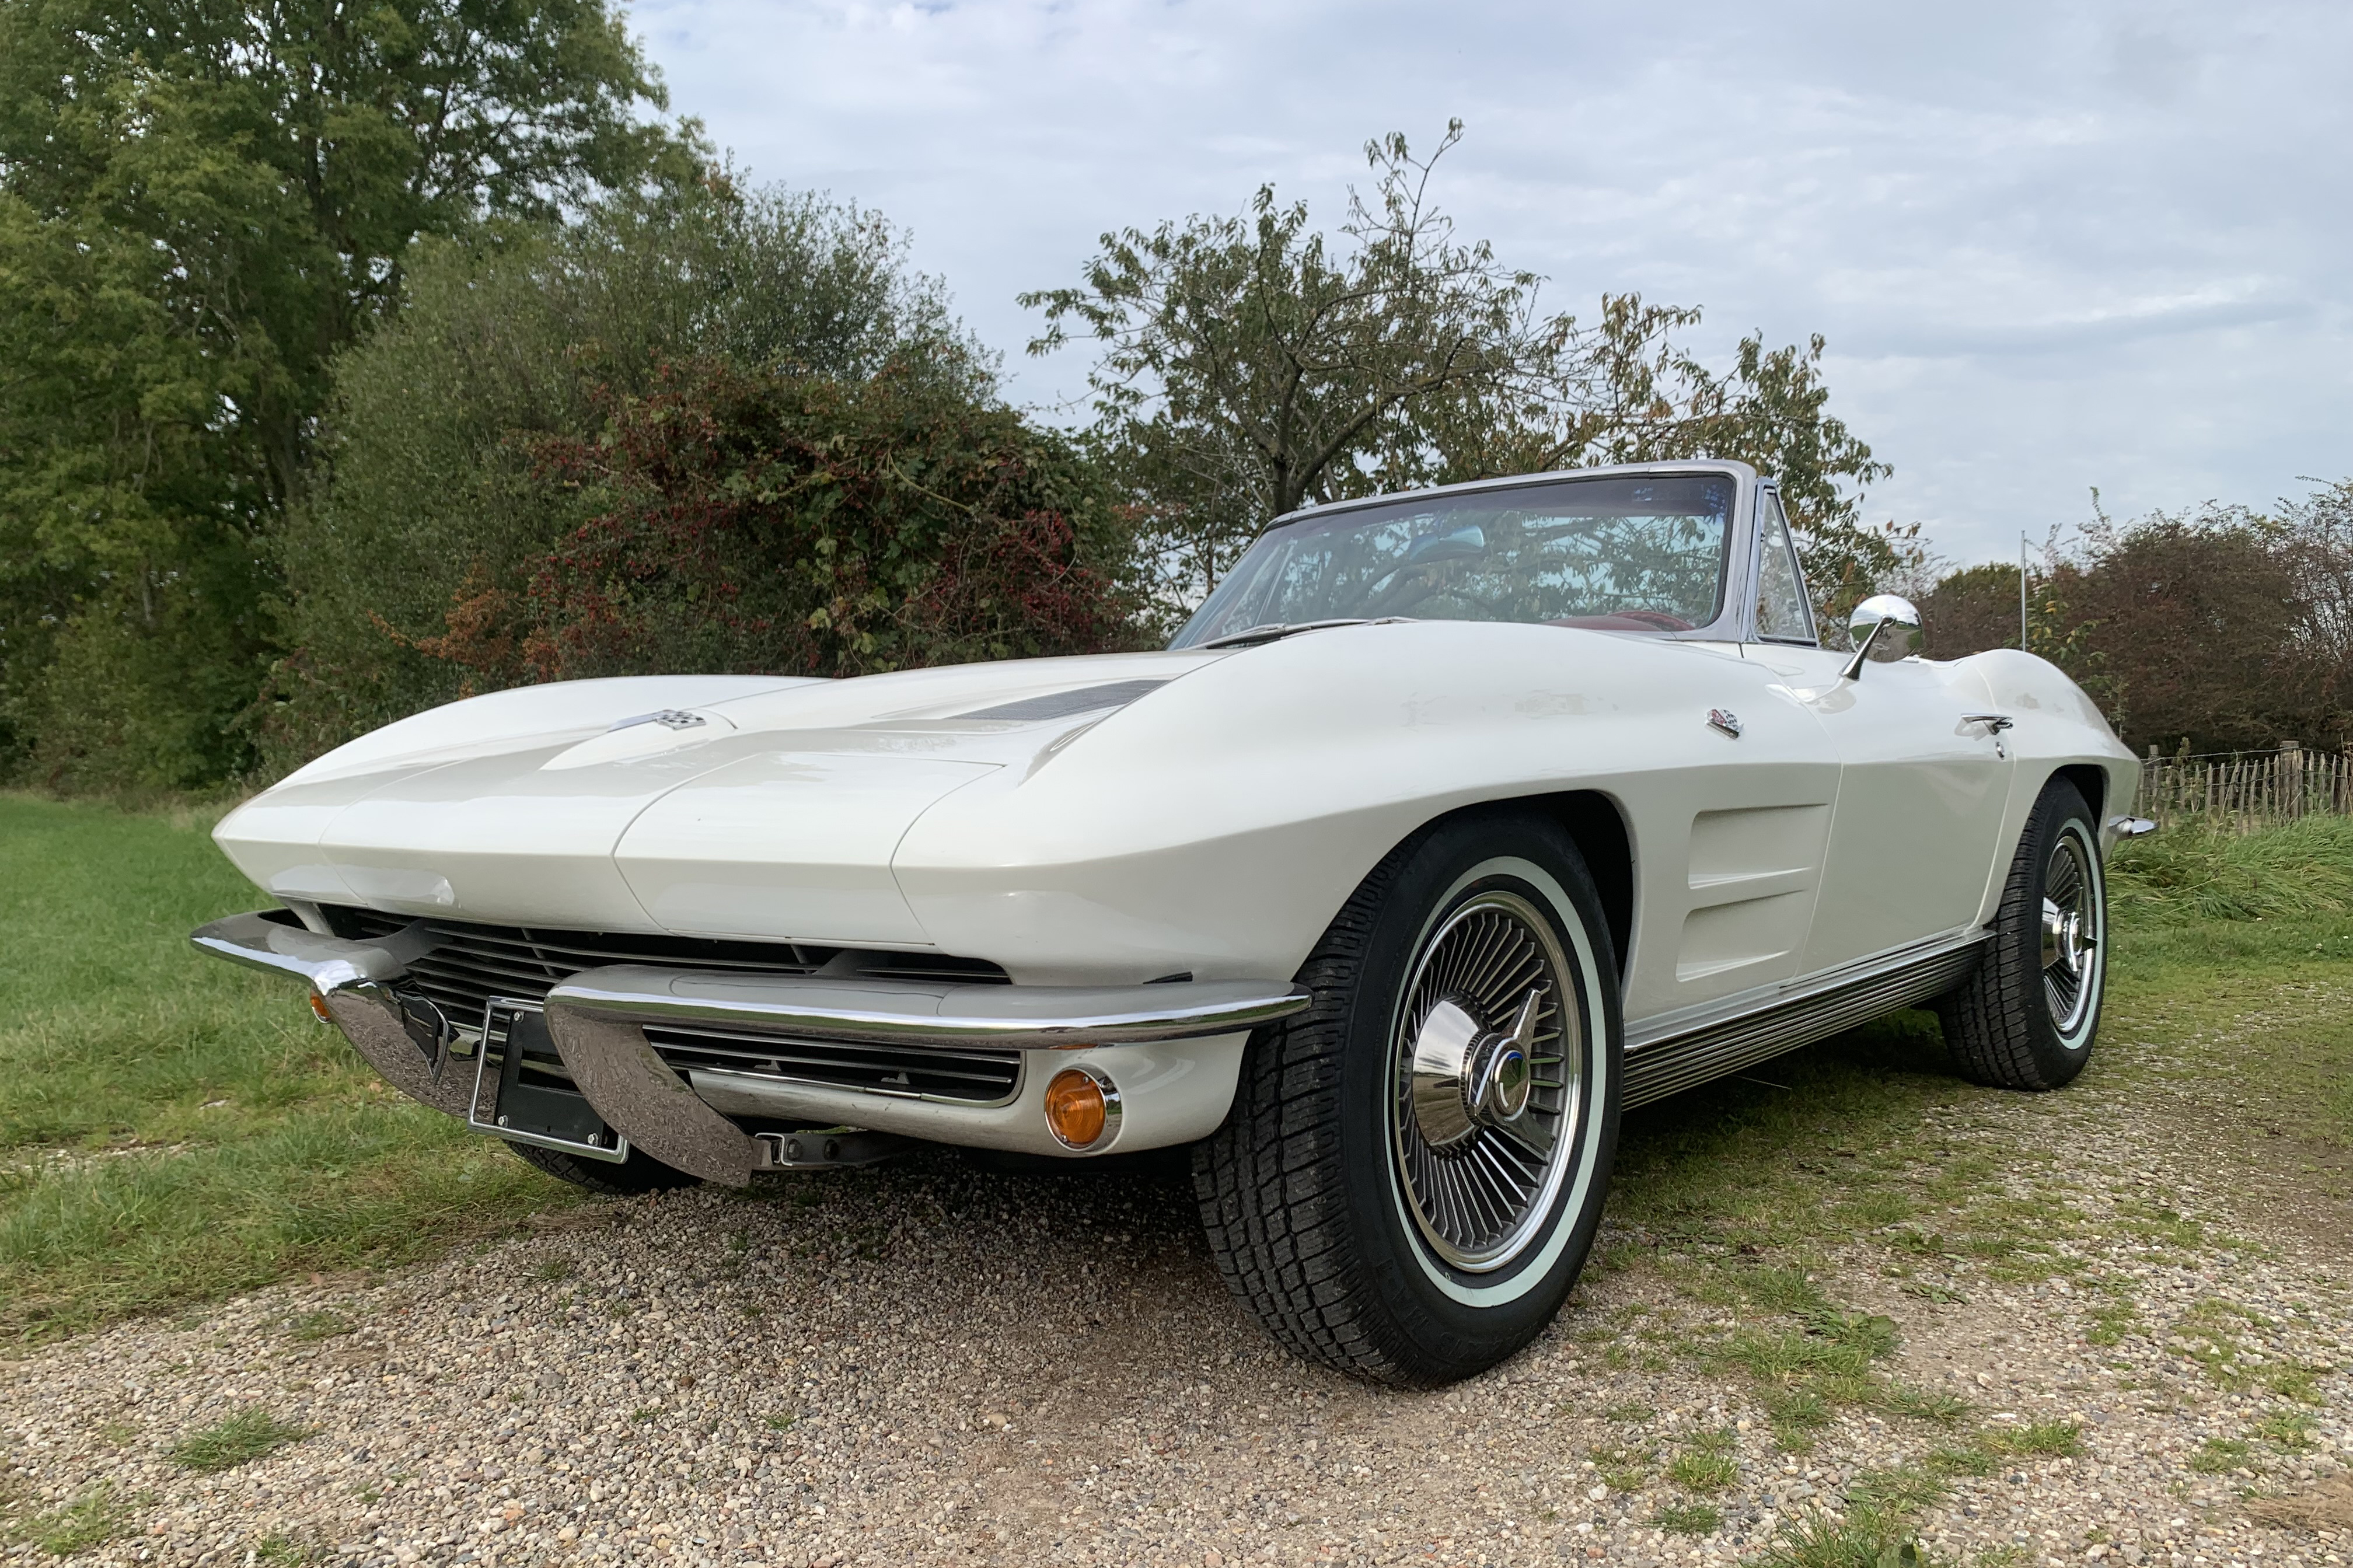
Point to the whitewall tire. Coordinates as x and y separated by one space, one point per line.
1414 1167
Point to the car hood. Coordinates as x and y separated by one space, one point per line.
763 807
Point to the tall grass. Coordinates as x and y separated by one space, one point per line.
2298 869
172 1128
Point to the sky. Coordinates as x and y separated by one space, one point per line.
2051 245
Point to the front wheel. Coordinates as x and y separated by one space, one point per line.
1414 1167
2027 1017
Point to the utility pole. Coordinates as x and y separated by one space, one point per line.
2021 593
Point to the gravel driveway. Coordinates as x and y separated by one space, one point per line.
934 1363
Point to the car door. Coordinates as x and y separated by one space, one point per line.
1923 776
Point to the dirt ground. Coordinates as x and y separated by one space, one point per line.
2109 1322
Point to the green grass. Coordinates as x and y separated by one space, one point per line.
1689 1518
239 1439
1625 1468
1897 1493
94 1517
174 1130
2298 870
2219 1455
2035 1439
311 1327
2287 1429
1708 1465
1966 1459
1862 1537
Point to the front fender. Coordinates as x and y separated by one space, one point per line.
1217 825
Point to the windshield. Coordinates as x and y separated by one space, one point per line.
1636 552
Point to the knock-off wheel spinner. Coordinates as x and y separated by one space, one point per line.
1488 1066
2070 929
1466 1077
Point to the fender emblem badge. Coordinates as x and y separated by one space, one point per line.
1718 719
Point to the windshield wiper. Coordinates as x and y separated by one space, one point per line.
1274 631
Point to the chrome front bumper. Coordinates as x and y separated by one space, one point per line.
596 1019
354 981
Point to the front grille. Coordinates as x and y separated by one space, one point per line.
980 1076
477 962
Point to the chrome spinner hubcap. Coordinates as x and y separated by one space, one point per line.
2071 919
1488 1065
1466 1077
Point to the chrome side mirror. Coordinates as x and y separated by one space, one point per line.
1883 627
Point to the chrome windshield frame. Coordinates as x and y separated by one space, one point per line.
1736 609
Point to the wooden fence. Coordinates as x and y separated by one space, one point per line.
2240 790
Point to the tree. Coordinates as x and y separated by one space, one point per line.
2194 620
1970 610
800 524
1638 397
2221 628
199 205
1251 365
2319 535
505 454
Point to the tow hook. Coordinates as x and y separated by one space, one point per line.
828 1149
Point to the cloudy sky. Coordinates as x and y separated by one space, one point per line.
2054 246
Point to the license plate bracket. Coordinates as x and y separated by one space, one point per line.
521 1095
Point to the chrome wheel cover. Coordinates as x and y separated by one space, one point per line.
1486 1067
2074 932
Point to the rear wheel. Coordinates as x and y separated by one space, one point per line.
1414 1167
640 1173
2027 1017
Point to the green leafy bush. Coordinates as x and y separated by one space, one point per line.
502 449
798 524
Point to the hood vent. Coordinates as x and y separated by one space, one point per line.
1064 704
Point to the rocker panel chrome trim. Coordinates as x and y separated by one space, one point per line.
1685 1060
1644 1034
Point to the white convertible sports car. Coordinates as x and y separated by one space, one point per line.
1454 824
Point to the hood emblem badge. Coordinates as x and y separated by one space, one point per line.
1718 719
668 718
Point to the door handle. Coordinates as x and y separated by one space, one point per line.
1995 723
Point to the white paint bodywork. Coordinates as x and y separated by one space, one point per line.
1214 824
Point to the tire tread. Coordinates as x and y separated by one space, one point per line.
1268 1183
1990 1019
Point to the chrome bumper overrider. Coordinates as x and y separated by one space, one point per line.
408 1047
596 1020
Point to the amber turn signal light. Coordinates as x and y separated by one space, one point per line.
318 1005
1082 1107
